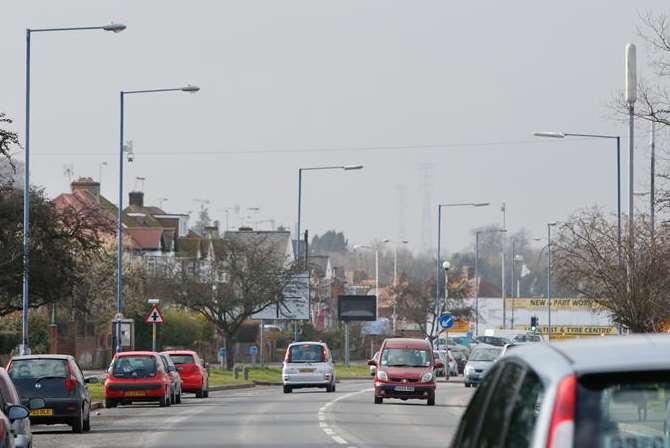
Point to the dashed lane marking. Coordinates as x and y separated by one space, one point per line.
323 417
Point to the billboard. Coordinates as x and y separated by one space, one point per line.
357 308
295 306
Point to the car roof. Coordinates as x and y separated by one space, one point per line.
323 344
64 357
180 352
601 354
138 353
406 343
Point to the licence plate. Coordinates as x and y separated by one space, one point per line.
306 370
42 412
404 389
136 393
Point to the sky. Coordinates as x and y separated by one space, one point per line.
437 99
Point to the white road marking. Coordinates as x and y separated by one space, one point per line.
323 417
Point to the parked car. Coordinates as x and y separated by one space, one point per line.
480 361
60 383
308 364
23 436
453 365
461 359
527 338
579 394
406 370
175 393
11 414
193 372
448 360
497 341
373 369
137 377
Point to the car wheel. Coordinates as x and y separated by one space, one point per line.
379 400
87 422
467 384
164 401
431 400
178 398
198 394
78 423
109 403
205 393
288 389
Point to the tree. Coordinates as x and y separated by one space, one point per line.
59 241
247 277
8 139
331 241
634 289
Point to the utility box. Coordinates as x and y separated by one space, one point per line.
127 332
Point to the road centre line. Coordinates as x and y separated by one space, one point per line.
322 416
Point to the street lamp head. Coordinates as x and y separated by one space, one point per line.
191 89
446 266
553 223
114 27
387 241
481 204
404 241
352 167
549 134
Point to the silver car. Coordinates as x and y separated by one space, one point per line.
480 361
599 392
308 364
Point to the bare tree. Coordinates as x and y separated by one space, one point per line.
633 288
245 278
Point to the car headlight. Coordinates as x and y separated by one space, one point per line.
468 369
427 377
382 376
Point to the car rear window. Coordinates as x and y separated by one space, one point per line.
38 368
134 367
623 410
182 359
306 353
485 354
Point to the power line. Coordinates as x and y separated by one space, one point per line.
312 149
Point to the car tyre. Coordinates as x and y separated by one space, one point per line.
87 422
379 400
205 393
178 400
467 384
78 423
288 389
164 401
431 400
109 403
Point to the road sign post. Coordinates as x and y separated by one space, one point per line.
253 351
154 318
222 357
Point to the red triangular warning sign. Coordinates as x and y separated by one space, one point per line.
154 316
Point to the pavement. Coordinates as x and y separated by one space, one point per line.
266 417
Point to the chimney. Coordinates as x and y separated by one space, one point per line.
87 184
136 198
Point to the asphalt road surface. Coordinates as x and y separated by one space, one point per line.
266 417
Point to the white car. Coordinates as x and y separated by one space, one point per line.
308 364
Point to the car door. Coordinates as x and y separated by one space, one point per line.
468 429
526 411
85 395
498 413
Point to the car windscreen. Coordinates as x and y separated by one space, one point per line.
623 409
38 368
182 359
306 353
406 357
134 367
485 354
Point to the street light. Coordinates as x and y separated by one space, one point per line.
618 170
439 249
315 168
395 276
101 165
549 226
367 246
116 28
477 233
515 258
119 225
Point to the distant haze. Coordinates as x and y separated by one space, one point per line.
392 85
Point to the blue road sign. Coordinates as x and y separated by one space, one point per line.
446 321
253 350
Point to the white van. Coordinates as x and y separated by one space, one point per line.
308 364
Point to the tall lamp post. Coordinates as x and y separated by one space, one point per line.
367 246
516 287
618 170
477 233
114 27
119 223
438 264
395 277
549 226
315 168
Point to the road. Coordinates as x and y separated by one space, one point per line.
266 417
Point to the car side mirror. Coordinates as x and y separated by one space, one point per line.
91 380
372 362
17 412
438 364
36 403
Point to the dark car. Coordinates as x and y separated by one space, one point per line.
174 376
23 436
59 381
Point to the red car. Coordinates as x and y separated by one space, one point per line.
406 370
193 371
137 376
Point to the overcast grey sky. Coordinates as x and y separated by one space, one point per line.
426 80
